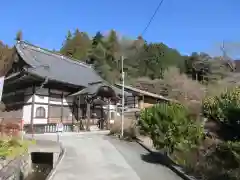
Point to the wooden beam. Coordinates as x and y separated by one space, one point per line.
88 113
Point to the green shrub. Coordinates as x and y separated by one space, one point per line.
170 128
225 109
11 147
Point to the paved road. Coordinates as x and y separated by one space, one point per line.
97 157
146 165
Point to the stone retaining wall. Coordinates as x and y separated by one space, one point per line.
15 169
147 141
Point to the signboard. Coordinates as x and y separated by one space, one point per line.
59 127
1 86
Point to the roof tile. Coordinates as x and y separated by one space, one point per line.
60 68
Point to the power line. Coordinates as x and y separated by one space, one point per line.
123 88
150 21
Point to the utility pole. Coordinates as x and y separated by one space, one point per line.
123 98
224 54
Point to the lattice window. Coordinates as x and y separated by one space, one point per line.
40 112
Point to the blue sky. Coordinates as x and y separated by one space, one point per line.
187 25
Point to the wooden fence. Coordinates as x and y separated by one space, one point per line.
46 128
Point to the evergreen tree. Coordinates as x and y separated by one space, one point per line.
5 58
67 47
113 48
76 46
19 36
98 38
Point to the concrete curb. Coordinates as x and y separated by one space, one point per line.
77 133
60 158
177 169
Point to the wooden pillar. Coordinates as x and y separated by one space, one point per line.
32 109
109 114
141 102
77 111
102 114
88 116
88 112
73 108
48 119
62 107
81 126
134 99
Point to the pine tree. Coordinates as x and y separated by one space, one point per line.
112 49
19 36
5 58
67 47
77 45
98 38
69 36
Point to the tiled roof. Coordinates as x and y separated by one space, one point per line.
55 66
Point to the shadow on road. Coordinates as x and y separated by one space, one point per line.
157 158
160 158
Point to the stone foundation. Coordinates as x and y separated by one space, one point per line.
15 169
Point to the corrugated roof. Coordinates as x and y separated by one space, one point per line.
55 66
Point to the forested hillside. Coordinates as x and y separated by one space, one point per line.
143 61
104 52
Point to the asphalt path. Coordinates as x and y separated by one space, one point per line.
95 156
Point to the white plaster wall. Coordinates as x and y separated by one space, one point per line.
40 120
41 99
27 114
67 100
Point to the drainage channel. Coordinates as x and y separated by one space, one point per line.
42 164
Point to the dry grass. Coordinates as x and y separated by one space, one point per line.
129 127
